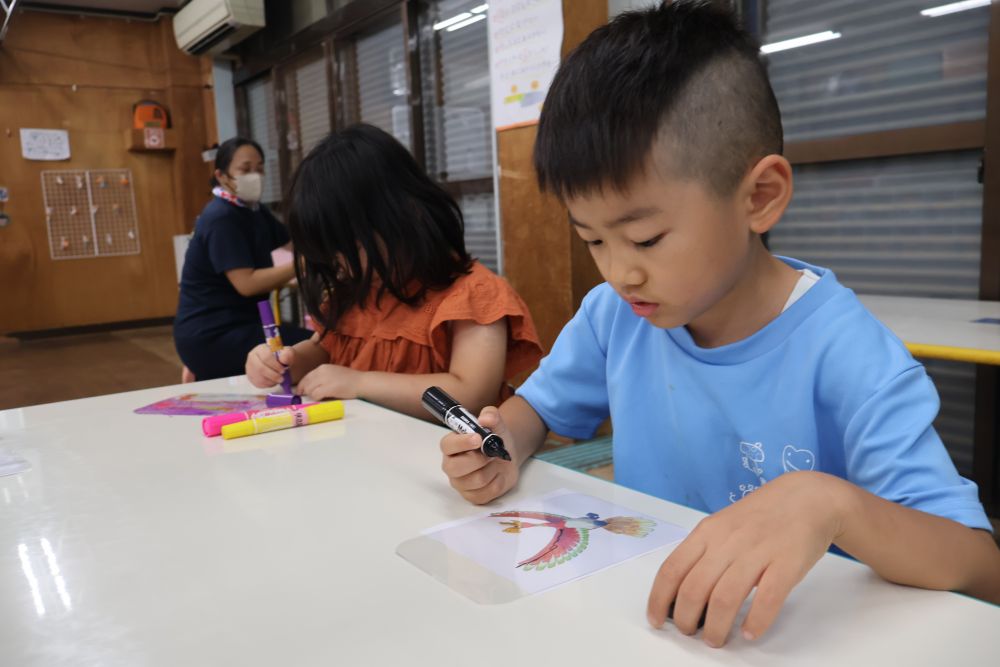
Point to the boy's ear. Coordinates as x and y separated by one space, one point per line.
768 189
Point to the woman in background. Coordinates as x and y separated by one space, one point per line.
228 269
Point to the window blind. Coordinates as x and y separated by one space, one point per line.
381 81
312 103
264 130
457 125
480 228
459 103
891 68
908 226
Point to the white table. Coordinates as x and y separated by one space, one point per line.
148 545
941 328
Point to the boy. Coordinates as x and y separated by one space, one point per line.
753 387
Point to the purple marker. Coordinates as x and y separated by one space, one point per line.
272 336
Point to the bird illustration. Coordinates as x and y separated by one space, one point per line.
572 534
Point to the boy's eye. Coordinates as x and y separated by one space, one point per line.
650 243
594 243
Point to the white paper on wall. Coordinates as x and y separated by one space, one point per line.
38 144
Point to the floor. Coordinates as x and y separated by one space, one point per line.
61 368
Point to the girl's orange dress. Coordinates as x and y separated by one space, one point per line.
398 338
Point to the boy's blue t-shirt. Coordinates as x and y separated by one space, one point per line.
226 236
825 386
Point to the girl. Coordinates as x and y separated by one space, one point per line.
401 306
228 269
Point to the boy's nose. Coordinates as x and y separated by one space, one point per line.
620 271
625 275
635 277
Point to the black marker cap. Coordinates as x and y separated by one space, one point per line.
493 447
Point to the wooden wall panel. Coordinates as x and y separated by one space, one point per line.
544 259
83 75
536 237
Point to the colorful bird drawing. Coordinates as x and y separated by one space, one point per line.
572 534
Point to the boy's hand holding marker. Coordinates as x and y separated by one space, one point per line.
477 477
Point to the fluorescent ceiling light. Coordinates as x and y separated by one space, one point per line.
480 9
954 7
452 20
474 19
795 43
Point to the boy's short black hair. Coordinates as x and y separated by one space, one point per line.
681 83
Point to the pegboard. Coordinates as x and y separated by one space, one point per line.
90 213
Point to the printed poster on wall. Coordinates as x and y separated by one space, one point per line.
38 144
525 39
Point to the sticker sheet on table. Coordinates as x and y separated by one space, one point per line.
204 404
547 541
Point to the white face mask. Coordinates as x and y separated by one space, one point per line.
249 187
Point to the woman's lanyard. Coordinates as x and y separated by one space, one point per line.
222 193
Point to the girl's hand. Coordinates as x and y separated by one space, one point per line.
477 477
263 369
330 381
769 540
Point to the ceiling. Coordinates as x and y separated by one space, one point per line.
124 7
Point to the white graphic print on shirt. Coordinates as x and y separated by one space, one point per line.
752 457
797 459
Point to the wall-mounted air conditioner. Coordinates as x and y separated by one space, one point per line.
209 27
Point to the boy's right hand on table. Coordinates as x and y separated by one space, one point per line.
476 476
263 369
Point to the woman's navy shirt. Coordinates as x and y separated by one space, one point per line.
226 236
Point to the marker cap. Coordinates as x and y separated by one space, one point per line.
282 400
324 412
212 426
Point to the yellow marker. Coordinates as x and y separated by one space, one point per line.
312 414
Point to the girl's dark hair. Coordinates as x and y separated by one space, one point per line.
224 153
362 214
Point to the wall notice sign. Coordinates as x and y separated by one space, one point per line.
37 144
525 39
152 137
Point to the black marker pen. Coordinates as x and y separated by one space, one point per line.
460 420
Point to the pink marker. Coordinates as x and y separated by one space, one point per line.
212 426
